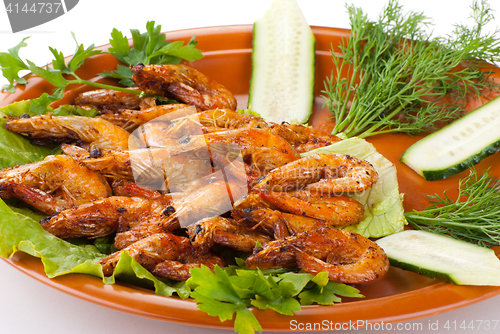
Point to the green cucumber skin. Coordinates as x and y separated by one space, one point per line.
471 160
434 175
421 271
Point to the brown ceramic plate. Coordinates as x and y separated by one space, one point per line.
399 296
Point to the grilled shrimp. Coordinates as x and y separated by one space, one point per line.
108 215
336 210
164 255
94 132
205 233
183 83
113 164
222 118
258 147
348 257
214 199
53 184
284 214
322 173
302 137
130 119
145 165
178 269
107 100
149 251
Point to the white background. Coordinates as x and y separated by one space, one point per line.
27 306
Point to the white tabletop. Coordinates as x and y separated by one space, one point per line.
28 306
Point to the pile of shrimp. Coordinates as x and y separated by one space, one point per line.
176 183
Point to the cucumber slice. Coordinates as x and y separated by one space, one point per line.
442 257
459 145
282 82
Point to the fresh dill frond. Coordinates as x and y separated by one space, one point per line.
401 79
479 46
473 217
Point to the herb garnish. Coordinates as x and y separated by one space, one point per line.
232 290
401 79
150 47
474 216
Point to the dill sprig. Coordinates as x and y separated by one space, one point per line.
479 46
473 217
400 78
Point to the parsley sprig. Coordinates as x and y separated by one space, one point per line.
150 47
400 78
474 216
234 289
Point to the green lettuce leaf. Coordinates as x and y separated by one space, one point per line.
20 231
14 149
384 213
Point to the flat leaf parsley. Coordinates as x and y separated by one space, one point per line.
232 290
149 48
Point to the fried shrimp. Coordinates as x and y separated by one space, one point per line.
336 210
183 83
108 101
211 200
208 232
322 173
178 269
130 119
259 147
165 255
268 208
149 251
92 132
226 118
144 165
54 184
302 137
348 257
103 217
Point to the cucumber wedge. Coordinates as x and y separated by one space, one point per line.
283 56
459 145
442 257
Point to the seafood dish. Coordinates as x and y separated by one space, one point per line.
175 184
